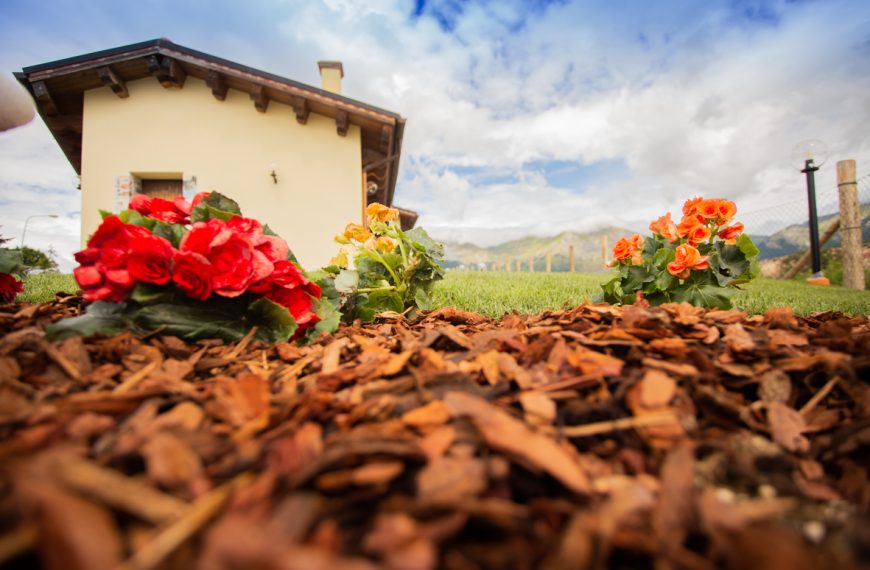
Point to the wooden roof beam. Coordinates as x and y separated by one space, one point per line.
168 72
258 96
300 107
108 77
341 122
386 139
43 97
216 83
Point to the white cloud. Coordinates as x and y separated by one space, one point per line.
691 98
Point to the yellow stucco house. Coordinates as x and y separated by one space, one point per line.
161 119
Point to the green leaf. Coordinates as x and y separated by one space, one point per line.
637 276
146 293
662 257
273 321
423 299
421 241
711 296
378 302
328 314
204 212
325 280
215 205
220 202
100 317
172 232
194 320
134 218
664 280
730 263
744 242
347 280
105 214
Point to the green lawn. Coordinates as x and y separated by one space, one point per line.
528 293
41 287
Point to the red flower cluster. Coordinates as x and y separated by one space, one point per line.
215 257
170 211
118 256
10 287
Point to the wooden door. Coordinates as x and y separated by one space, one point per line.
167 189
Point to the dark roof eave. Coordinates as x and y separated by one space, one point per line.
166 47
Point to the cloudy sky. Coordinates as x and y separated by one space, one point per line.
524 117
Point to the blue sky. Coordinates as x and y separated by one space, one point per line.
523 117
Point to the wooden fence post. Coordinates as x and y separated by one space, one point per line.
850 226
531 265
507 263
549 263
603 250
571 259
518 267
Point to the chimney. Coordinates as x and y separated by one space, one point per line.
331 73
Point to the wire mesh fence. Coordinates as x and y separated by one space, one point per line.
768 221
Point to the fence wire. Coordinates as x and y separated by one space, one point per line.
770 220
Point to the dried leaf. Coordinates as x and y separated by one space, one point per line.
737 339
450 480
507 434
656 389
170 461
787 426
433 414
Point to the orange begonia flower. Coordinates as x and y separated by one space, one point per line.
376 212
385 244
709 208
665 227
628 248
693 229
731 232
727 210
697 234
686 259
356 232
690 205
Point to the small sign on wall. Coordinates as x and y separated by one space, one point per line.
188 189
123 192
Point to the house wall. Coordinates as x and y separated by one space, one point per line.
230 147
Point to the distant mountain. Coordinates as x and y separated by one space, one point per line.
587 246
796 237
587 251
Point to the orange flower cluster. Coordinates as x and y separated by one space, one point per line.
687 258
628 249
701 216
665 227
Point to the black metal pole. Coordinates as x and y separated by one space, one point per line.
809 170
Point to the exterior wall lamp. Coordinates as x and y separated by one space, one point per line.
273 173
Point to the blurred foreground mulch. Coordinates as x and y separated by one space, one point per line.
599 437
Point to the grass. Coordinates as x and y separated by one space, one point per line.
41 287
528 293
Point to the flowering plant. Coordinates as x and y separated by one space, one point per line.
382 268
10 265
701 260
194 269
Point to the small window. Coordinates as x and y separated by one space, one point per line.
168 189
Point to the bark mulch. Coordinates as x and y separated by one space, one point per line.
598 437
